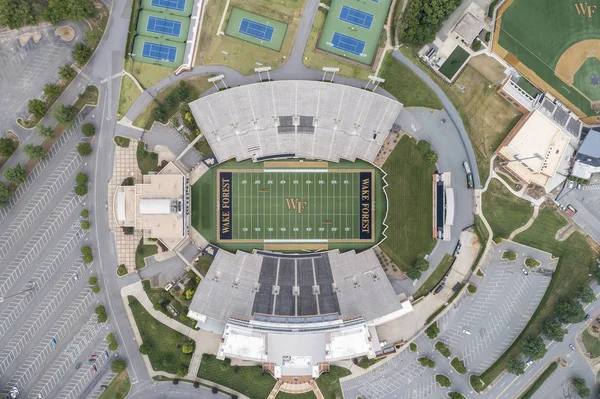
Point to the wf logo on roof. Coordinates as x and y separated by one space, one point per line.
585 9
295 204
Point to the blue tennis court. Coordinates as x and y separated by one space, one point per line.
256 29
356 17
164 26
178 5
159 51
347 43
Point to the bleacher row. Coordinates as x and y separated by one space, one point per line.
306 119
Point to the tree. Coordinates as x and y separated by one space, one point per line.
65 114
51 92
182 371
111 337
81 189
37 107
534 348
81 53
84 149
423 18
423 146
413 273
81 178
93 36
214 390
7 147
432 331
553 330
159 114
5 193
93 280
102 318
515 365
113 346
170 102
182 91
431 157
174 336
422 264
67 72
17 174
443 380
581 387
96 289
35 152
85 214
146 348
426 362
188 347
85 225
88 129
585 294
100 309
118 365
46 132
569 310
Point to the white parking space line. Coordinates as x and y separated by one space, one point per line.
83 377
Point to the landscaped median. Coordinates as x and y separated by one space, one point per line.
118 388
539 381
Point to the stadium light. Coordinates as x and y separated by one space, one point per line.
263 69
375 80
329 69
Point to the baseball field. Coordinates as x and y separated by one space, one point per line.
290 205
556 45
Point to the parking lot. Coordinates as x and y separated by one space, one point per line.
587 204
26 69
478 328
48 329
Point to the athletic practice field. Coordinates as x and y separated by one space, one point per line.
554 45
256 29
352 29
289 205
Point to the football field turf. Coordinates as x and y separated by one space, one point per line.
290 205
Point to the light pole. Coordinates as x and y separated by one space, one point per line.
32 286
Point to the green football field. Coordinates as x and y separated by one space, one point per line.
314 205
538 32
256 29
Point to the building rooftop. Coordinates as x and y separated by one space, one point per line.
469 27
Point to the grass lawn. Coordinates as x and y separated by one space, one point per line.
129 93
118 388
455 60
305 395
196 86
166 354
504 211
89 96
577 260
436 276
147 161
364 362
591 343
249 380
406 86
329 383
486 115
147 75
241 55
204 264
319 60
143 251
204 148
409 235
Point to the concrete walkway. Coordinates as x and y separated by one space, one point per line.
536 210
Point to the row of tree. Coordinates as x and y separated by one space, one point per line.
17 13
423 18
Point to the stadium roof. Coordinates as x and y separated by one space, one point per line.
309 119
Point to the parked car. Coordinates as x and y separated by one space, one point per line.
53 342
571 184
572 347
529 362
94 368
77 366
525 272
586 318
465 331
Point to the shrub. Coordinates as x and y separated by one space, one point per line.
509 255
188 347
37 108
581 387
413 347
471 288
122 141
431 157
476 382
100 309
127 230
432 331
111 337
423 146
456 395
442 380
175 381
81 178
128 181
118 365
182 371
479 273
146 285
85 214
96 289
84 149
159 114
422 265
476 46
530 262
426 362
93 280
459 365
81 189
102 318
146 348
214 390
85 225
196 384
170 102
443 349
413 273
65 114
88 129
121 270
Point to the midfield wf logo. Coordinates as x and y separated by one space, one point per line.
295 204
585 9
